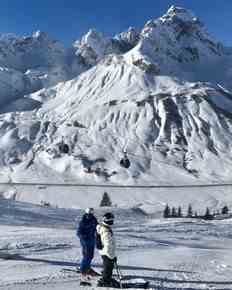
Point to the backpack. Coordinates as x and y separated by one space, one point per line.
99 244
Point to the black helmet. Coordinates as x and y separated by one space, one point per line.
108 218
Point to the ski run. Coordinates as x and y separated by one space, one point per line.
169 254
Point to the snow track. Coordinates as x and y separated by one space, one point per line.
170 254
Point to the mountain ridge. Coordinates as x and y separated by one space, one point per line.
162 94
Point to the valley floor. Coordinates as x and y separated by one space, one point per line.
171 254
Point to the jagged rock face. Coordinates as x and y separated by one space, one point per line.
179 45
29 64
130 37
94 46
180 29
91 47
32 63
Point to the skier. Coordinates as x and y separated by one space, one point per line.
86 232
108 251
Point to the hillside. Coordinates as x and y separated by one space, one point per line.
150 93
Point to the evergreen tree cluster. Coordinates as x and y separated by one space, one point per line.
106 201
172 212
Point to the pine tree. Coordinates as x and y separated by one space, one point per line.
208 215
225 210
174 214
179 213
167 212
190 211
106 201
207 212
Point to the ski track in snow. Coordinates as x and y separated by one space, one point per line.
171 254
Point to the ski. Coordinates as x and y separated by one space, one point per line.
71 270
94 273
85 283
137 285
124 285
128 285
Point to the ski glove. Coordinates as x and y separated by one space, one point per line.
115 259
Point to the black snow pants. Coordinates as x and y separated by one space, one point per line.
108 266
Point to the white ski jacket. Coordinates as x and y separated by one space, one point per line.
108 241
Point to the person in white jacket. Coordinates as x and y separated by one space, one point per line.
108 251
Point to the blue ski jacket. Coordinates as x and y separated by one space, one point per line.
87 228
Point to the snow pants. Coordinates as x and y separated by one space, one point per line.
87 255
108 266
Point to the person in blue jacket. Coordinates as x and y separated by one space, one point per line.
86 232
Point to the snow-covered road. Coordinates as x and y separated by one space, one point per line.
171 254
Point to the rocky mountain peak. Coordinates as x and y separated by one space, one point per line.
92 34
130 36
91 47
40 35
177 38
92 39
176 18
183 14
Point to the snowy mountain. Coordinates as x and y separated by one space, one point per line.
94 46
163 95
154 118
29 64
38 61
31 52
180 46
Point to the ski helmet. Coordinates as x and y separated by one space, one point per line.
108 218
89 210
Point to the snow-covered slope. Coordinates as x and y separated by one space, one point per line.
135 92
120 107
169 253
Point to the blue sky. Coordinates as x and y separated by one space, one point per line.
67 20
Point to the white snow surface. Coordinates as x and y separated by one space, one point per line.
37 243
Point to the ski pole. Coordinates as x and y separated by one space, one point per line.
119 274
119 271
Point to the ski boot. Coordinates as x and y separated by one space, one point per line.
112 283
85 279
92 272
